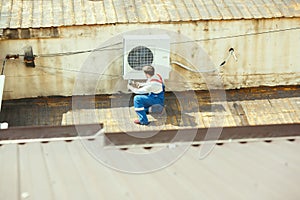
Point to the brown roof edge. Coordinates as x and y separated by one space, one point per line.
42 132
163 136
205 134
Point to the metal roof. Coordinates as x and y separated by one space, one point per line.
65 170
54 13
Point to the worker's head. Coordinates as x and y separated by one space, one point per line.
149 70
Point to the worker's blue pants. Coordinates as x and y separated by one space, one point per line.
143 102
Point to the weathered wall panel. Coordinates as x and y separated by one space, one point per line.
263 59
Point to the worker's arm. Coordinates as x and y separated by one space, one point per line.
143 90
141 84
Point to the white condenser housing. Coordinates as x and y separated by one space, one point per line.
141 50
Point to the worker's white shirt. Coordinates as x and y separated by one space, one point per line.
152 85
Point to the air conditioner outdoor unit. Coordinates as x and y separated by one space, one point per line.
141 50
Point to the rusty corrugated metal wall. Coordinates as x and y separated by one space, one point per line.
264 34
263 59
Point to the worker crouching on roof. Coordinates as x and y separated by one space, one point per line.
148 94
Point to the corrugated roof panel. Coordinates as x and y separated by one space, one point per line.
131 10
223 9
243 9
5 13
79 12
212 9
173 12
256 13
161 11
37 14
89 13
295 7
68 11
58 13
33 171
92 175
232 5
100 12
182 10
263 8
274 11
202 9
90 16
192 9
119 7
47 14
110 11
143 14
283 8
26 17
16 11
61 170
59 166
9 172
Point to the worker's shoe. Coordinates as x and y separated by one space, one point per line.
136 121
